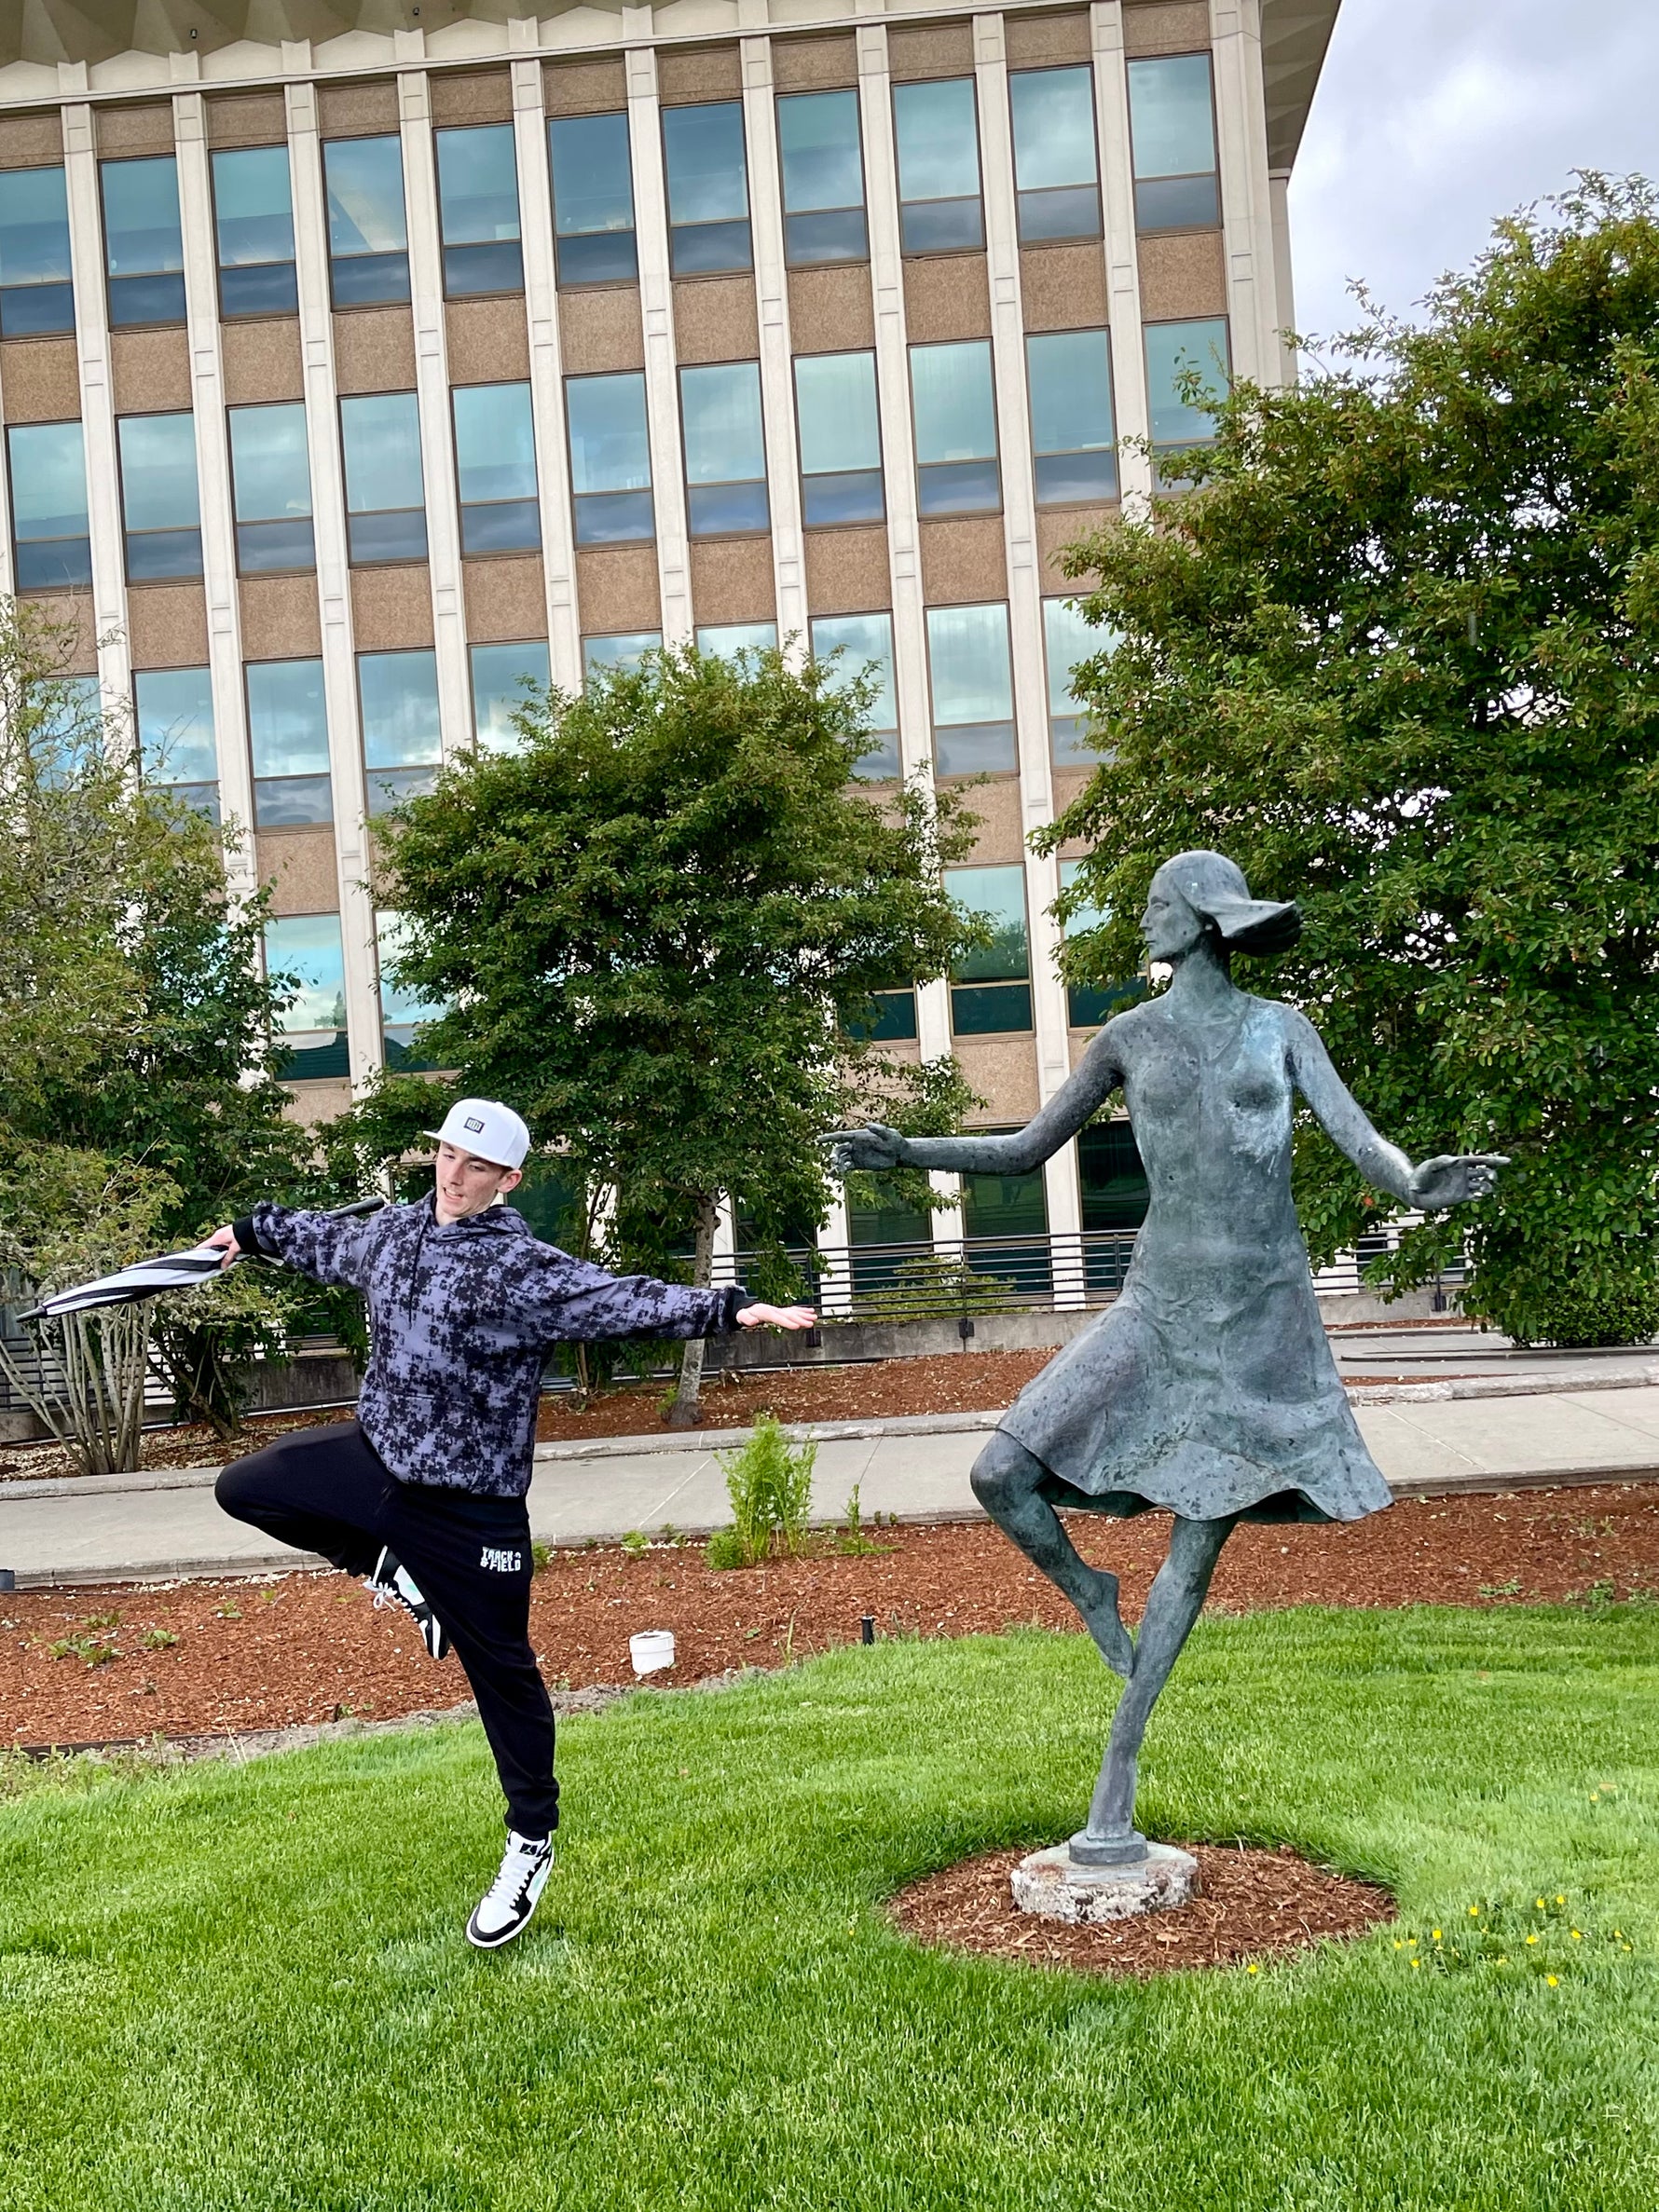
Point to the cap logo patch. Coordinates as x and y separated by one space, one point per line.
471 1121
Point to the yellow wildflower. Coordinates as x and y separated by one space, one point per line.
1553 1980
1532 1939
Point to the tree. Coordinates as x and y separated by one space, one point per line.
654 924
138 1096
1398 654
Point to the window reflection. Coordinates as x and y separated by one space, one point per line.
823 178
1172 118
159 502
173 709
385 485
253 226
1056 174
478 210
36 296
725 449
991 986
495 458
956 418
271 472
593 200
972 685
288 736
861 645
307 952
1069 374
841 443
506 680
937 131
143 243
403 743
368 238
52 549
707 178
610 459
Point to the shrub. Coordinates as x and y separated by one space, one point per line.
1623 1312
769 1482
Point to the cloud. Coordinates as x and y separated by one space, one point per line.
1434 117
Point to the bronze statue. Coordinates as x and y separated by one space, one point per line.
1207 1388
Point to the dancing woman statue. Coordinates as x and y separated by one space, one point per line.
1207 1388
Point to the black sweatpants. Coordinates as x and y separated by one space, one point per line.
328 1490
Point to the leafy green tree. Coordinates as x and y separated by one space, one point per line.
652 927
1399 656
137 1078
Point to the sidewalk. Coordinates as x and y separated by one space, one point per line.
1495 1433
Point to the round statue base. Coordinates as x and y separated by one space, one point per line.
1053 1885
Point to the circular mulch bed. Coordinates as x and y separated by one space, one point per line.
1251 1906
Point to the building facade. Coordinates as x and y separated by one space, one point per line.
350 379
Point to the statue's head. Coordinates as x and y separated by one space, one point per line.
1205 894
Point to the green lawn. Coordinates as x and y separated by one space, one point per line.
248 1987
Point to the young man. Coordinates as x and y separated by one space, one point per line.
423 1495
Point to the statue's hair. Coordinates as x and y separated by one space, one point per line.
1213 886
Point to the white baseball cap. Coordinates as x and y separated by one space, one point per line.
486 1129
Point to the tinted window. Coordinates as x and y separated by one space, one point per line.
592 199
823 177
37 296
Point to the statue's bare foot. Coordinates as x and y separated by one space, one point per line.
1100 1619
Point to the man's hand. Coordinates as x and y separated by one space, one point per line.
1453 1178
777 1316
226 1236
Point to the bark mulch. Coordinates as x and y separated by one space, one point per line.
940 1383
117 1663
1251 1906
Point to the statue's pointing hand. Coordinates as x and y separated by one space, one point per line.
1452 1179
876 1148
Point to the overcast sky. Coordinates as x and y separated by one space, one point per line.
1433 116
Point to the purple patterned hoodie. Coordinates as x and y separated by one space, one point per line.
461 1317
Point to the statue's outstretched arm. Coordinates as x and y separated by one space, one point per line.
1449 1179
1340 1114
1084 1092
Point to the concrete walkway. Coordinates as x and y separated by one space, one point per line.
1429 1438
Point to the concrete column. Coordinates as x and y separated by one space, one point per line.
893 392
1123 275
431 396
547 392
1025 582
1246 199
212 475
1283 287
725 1267
334 587
98 416
835 1274
656 305
772 299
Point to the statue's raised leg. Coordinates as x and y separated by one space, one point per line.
1175 1601
1005 1479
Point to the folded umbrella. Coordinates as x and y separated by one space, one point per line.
148 1279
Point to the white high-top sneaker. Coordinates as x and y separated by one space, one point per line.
394 1585
505 1909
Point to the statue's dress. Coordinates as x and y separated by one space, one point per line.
1208 1386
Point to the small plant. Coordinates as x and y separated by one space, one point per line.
1501 1590
103 1620
541 1557
769 1482
636 1542
228 1611
850 1538
157 1639
93 1651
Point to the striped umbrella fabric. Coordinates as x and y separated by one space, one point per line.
149 1278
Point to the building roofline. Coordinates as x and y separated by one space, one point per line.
1294 37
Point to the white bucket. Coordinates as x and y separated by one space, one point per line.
652 1650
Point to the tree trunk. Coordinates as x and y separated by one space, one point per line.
686 1411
